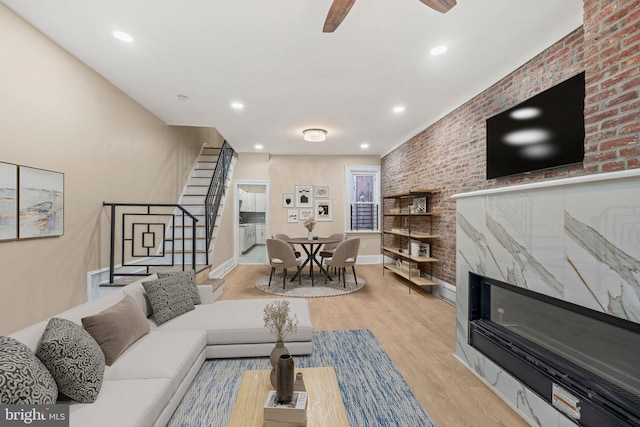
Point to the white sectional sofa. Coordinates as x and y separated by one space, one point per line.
147 381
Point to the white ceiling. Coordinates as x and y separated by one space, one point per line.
272 56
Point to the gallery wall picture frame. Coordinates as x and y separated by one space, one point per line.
8 201
41 203
304 196
305 214
324 210
321 192
288 200
292 215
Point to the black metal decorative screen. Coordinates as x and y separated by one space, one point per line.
151 235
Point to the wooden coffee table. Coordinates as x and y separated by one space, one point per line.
325 407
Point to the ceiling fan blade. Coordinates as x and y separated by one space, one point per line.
337 12
441 6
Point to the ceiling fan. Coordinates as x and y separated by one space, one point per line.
340 8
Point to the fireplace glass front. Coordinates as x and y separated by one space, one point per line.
584 359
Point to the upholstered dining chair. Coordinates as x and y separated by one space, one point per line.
285 237
327 250
281 256
345 255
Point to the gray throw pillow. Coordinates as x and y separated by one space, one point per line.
168 299
74 359
117 327
188 280
23 377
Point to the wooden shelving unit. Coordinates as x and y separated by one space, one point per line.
405 234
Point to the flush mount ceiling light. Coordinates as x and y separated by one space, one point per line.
237 105
314 135
122 36
364 145
398 109
258 146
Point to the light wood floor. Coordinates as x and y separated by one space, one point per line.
418 333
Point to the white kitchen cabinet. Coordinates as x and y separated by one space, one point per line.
261 237
250 203
261 202
247 236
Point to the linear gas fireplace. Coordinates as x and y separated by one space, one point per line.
583 362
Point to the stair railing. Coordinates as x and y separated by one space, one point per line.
144 232
216 190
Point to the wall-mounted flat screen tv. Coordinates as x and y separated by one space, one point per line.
545 131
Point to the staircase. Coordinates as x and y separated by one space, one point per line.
167 237
193 199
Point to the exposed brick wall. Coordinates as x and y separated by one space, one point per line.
450 154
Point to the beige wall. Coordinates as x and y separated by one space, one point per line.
57 114
285 172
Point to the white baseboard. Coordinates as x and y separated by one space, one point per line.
223 269
369 259
445 291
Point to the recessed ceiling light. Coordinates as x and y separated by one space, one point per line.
398 109
237 105
183 98
364 145
258 147
438 50
122 36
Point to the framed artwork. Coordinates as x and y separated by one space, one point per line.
304 196
324 210
321 192
420 205
8 201
288 200
41 203
305 214
292 215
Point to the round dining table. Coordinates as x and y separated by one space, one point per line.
311 248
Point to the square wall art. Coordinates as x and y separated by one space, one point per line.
41 200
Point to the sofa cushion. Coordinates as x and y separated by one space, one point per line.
130 403
159 354
74 359
187 279
240 321
117 327
23 377
168 298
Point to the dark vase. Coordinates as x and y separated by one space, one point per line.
277 351
284 378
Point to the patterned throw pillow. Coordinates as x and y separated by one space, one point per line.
187 280
74 359
168 299
23 377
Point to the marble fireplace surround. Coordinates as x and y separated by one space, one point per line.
576 239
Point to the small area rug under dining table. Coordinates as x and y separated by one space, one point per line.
373 391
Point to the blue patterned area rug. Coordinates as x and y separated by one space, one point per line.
373 391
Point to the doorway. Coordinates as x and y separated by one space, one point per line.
251 219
